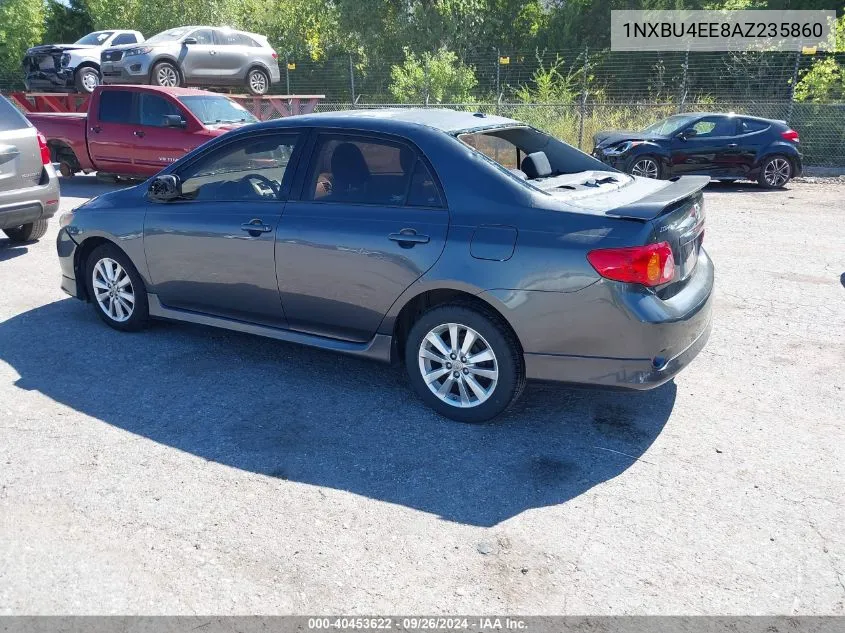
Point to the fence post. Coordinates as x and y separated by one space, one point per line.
425 81
498 82
583 99
352 79
287 75
792 86
683 97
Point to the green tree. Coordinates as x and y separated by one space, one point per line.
439 78
66 23
21 26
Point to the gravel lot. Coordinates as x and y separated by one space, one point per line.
196 471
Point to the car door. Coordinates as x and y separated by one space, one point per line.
706 153
199 61
162 145
212 249
232 55
111 134
371 219
751 138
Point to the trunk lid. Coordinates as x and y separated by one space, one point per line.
20 154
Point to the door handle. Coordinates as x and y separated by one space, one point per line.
96 129
731 144
407 238
139 133
256 227
212 52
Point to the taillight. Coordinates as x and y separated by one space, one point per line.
650 265
275 55
45 151
790 135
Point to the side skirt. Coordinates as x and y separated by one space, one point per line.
378 348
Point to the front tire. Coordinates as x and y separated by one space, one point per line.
86 79
115 289
646 167
464 362
775 172
27 232
166 74
257 82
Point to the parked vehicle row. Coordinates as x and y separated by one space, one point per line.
726 147
185 56
29 188
476 249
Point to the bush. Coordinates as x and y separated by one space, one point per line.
438 78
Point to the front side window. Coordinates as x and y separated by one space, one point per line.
203 36
116 106
251 169
152 109
715 126
361 170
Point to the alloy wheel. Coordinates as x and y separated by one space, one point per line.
257 82
166 76
113 290
645 167
458 365
777 172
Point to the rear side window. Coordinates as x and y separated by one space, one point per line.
125 38
749 125
116 106
10 117
363 170
152 109
233 38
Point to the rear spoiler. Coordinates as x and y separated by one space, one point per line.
648 208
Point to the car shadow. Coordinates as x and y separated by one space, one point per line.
10 249
310 416
740 186
89 185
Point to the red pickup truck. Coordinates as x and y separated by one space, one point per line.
137 130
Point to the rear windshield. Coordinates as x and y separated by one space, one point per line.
95 39
213 110
10 117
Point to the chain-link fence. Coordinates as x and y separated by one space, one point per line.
575 93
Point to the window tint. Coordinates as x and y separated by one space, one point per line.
715 126
152 109
116 106
360 170
125 38
503 152
233 38
203 36
747 126
424 191
10 118
250 169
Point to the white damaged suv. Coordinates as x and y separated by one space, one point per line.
72 66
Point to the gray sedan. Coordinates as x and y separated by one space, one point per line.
29 187
477 250
195 56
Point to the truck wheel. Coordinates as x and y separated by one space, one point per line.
27 232
86 79
257 82
166 74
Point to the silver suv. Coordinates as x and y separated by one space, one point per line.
29 187
195 56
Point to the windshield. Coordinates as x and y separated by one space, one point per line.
95 38
211 110
169 36
670 125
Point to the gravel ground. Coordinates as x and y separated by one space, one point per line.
186 470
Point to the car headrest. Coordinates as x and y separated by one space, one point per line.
349 168
536 165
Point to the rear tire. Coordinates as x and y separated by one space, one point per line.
442 370
115 289
27 232
775 172
165 74
257 82
86 79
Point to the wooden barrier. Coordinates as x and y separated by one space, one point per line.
263 108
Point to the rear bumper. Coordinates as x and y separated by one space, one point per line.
31 204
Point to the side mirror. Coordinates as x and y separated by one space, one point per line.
189 40
165 188
174 120
688 133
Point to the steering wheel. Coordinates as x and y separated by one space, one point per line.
272 185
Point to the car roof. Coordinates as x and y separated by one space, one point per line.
729 114
396 119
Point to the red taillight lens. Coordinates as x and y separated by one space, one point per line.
790 135
275 55
650 265
45 151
